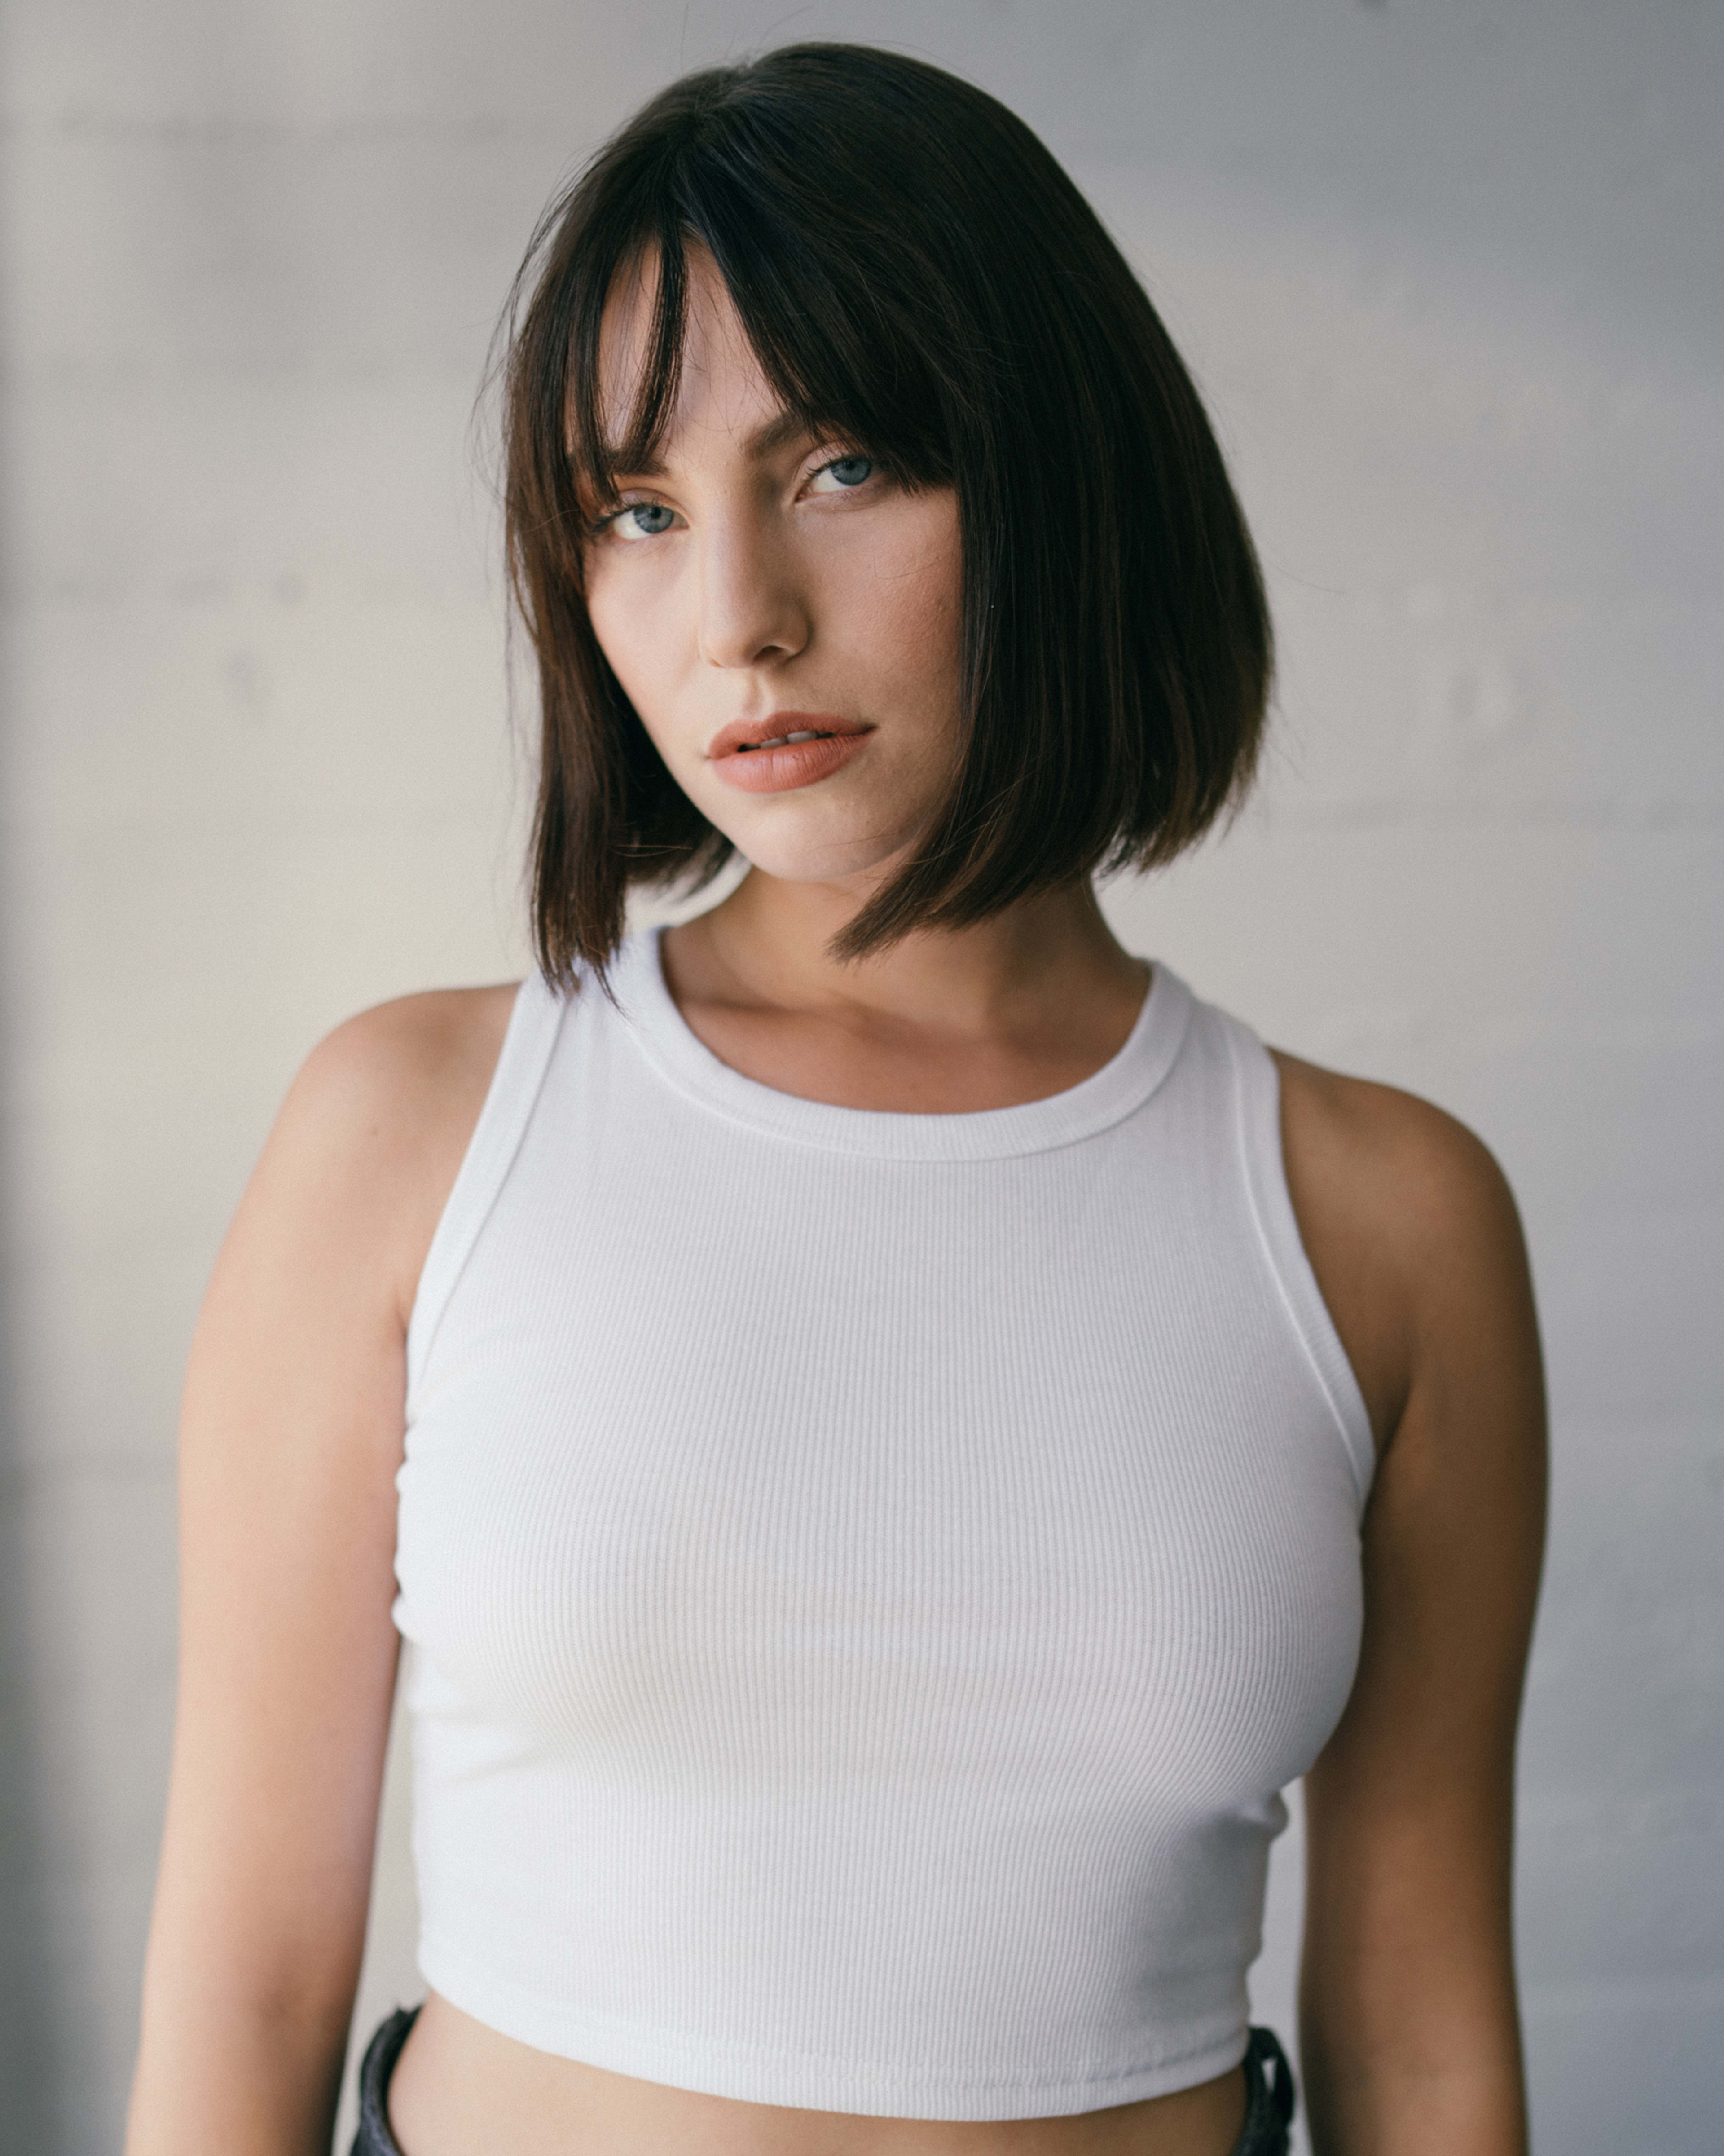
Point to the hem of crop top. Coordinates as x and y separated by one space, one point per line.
752 2073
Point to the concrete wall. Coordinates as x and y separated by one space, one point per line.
1448 274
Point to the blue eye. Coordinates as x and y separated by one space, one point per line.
650 518
842 472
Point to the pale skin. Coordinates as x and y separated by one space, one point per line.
760 570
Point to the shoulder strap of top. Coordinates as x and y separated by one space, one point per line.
535 1019
1257 1089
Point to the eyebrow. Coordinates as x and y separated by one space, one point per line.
763 442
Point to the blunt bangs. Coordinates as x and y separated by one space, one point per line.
917 274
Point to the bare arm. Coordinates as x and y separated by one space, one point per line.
1408 2022
290 1436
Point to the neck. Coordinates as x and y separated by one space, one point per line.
768 944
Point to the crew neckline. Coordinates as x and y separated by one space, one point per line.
1096 1103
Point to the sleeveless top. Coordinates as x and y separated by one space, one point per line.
868 1576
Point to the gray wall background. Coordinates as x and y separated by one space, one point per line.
1449 276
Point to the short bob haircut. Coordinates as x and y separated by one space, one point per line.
918 277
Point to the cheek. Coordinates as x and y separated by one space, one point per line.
914 603
631 634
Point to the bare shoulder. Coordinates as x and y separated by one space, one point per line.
1429 1177
414 1058
1409 1222
375 1121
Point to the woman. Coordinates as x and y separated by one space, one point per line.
916 1427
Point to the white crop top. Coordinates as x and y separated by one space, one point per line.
868 1576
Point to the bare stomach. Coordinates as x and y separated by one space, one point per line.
461 2089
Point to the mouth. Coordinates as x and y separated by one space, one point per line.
780 741
780 729
784 750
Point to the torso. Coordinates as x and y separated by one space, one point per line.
461 2085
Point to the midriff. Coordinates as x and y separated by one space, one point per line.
462 2089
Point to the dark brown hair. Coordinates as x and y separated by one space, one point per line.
917 274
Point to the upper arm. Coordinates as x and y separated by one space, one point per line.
291 1433
1408 1980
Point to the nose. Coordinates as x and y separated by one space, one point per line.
753 610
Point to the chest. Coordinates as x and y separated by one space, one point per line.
871 1473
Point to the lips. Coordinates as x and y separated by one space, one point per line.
784 750
775 729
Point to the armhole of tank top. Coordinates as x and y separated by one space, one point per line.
528 1039
1257 1095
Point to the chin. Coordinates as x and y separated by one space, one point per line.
821 850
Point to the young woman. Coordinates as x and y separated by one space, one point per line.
894 1429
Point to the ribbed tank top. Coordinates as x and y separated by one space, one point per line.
868 1576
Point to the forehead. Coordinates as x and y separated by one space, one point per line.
721 386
